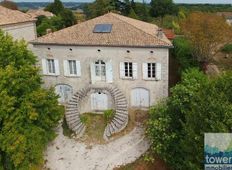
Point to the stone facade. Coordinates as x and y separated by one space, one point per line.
26 30
86 55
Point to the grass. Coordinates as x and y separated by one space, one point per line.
142 164
95 126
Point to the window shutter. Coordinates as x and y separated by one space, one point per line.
78 65
122 70
135 70
66 68
158 71
109 72
92 70
145 74
57 69
44 66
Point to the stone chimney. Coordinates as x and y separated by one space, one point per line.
160 33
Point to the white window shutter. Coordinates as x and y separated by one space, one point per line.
66 68
44 66
158 71
92 70
78 66
135 70
122 70
109 72
57 68
145 72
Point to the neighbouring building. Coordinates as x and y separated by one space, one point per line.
18 24
111 61
227 16
35 13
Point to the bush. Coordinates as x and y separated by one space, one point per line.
227 48
28 113
83 118
198 105
183 53
108 115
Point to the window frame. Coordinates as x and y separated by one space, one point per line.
51 66
128 70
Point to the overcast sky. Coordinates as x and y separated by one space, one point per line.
177 1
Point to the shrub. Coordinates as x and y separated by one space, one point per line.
198 105
227 48
83 118
109 114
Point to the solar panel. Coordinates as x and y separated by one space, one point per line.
102 28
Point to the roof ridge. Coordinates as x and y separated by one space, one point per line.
135 26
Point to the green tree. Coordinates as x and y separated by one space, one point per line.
160 8
9 4
56 7
198 105
28 113
132 14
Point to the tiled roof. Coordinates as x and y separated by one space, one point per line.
169 34
227 15
39 12
8 16
125 32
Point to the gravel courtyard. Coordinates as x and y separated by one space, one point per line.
68 154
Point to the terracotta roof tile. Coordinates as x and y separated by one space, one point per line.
8 16
125 32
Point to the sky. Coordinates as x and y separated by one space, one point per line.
177 1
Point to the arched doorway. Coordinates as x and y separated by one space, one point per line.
140 97
99 101
64 91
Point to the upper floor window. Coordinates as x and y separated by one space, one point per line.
50 67
152 71
72 68
100 68
128 70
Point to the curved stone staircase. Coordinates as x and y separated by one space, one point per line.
117 124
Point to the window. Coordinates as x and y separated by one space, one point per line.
128 69
100 68
51 66
151 70
64 91
72 67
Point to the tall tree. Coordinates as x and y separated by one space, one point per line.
207 33
160 8
56 7
28 113
198 105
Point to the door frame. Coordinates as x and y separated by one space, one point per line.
149 97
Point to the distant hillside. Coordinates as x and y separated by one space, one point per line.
36 5
207 7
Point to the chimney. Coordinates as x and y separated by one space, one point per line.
49 30
160 33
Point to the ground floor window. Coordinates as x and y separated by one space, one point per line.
64 91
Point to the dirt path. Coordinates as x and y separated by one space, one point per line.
67 154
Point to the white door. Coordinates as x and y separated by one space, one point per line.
65 92
140 97
99 101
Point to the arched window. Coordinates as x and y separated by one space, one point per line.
100 70
64 91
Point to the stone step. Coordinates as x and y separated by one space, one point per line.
70 118
118 125
123 116
122 108
77 126
123 112
74 123
111 128
80 129
121 122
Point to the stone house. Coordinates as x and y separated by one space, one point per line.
18 24
35 13
111 61
227 16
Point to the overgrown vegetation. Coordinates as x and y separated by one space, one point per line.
198 105
108 115
63 18
28 113
227 48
